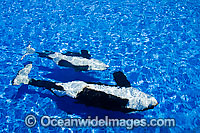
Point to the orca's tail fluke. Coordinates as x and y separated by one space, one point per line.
29 50
121 79
22 76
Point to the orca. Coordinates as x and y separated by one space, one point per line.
79 61
120 97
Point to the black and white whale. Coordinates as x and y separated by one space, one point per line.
79 61
121 97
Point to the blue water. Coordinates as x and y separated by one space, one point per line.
154 42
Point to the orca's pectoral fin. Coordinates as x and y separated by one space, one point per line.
84 53
77 70
121 79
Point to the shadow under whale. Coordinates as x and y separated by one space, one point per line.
67 75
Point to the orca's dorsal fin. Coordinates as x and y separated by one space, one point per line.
84 53
121 79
